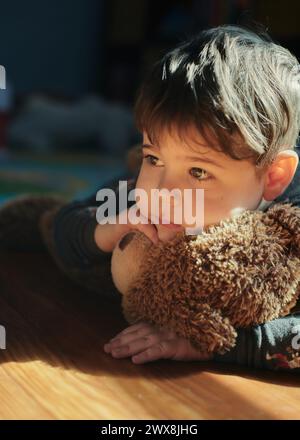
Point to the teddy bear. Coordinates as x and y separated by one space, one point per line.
241 272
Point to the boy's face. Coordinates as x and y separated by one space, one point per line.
227 183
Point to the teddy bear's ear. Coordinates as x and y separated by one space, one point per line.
288 217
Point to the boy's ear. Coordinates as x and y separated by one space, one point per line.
280 174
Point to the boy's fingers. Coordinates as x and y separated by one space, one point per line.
135 346
133 327
149 230
140 329
142 332
144 225
162 350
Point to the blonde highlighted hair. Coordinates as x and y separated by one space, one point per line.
236 85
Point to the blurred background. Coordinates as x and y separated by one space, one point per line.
72 69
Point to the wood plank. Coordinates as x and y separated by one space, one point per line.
54 366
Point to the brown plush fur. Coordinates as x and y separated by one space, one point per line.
242 272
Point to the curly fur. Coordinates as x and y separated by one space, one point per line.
243 271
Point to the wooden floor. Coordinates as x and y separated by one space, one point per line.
54 366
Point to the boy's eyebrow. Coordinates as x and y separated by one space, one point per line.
193 158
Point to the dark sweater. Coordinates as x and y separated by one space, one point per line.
274 345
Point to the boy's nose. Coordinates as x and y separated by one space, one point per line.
168 180
170 186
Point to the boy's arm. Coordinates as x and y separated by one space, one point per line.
73 234
68 233
274 345
74 227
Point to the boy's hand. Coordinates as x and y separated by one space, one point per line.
107 235
145 343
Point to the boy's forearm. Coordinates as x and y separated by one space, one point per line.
74 229
272 345
73 249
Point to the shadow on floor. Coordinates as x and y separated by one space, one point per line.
47 317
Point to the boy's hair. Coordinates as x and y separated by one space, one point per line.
233 84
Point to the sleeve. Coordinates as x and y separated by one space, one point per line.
74 226
274 345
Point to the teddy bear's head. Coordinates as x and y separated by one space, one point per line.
127 257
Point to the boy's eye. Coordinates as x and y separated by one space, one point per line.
199 172
150 159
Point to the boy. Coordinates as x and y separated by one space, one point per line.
220 112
